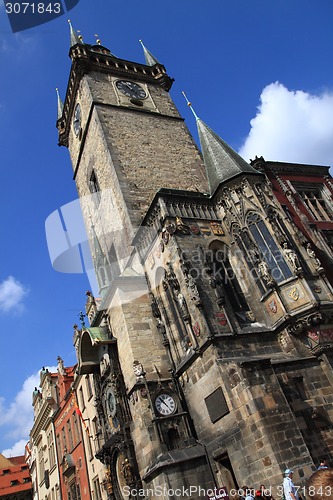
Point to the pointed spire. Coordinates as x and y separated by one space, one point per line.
60 105
221 161
75 38
150 59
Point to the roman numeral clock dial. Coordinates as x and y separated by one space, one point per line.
131 89
165 404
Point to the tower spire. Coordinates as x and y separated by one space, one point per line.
221 161
60 105
150 59
75 38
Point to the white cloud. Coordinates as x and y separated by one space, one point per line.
16 450
16 418
292 126
12 293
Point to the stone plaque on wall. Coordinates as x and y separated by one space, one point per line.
216 405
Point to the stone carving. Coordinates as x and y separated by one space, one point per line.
313 257
127 472
181 227
183 309
218 289
291 257
193 289
61 367
161 326
172 278
265 273
154 306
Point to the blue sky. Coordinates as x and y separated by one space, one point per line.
259 72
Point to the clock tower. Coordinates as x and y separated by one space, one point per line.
125 136
126 141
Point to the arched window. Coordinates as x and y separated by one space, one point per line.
250 253
166 298
268 248
218 259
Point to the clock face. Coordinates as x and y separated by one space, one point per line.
111 404
77 119
131 89
165 404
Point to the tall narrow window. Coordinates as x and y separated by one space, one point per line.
94 187
81 398
97 489
77 432
70 435
314 200
50 444
269 250
114 269
41 462
89 387
218 259
250 254
59 449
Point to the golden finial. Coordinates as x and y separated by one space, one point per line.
190 105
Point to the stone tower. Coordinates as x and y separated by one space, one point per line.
200 346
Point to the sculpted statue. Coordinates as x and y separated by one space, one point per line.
313 256
193 289
265 272
127 472
218 289
291 257
182 305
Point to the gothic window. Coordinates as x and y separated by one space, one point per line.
250 253
169 301
114 269
94 188
316 202
218 259
173 306
268 248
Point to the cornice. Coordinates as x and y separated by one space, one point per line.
298 169
42 420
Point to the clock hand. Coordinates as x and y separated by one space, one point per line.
166 404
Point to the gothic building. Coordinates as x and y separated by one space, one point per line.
211 347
